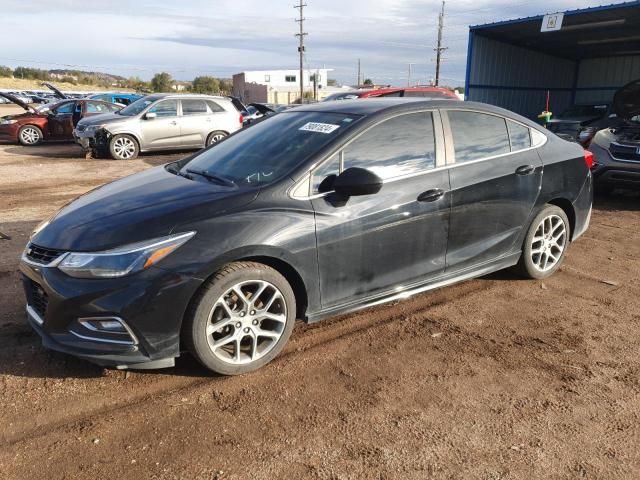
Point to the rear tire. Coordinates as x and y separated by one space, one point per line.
241 319
123 147
545 244
30 135
215 137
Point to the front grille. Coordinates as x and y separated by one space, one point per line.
41 255
625 152
36 297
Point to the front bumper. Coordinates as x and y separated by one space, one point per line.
150 304
9 133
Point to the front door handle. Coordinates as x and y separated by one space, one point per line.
431 195
525 170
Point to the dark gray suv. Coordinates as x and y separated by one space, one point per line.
616 150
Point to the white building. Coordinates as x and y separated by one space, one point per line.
278 86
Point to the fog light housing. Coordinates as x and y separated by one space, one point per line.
105 330
109 325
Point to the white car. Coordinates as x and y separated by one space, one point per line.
159 122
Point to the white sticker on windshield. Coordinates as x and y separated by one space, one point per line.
319 127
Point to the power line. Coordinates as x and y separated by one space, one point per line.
301 52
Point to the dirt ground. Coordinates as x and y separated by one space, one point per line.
494 378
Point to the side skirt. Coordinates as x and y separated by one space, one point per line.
403 292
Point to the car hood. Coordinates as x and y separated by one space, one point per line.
17 101
139 207
102 119
626 101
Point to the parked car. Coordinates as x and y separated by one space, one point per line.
52 121
259 111
431 93
579 123
123 99
616 150
160 122
314 212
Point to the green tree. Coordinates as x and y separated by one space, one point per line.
137 84
205 84
68 79
5 71
367 81
31 73
161 82
226 86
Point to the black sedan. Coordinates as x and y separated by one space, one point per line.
316 211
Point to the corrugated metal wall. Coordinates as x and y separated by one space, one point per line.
517 79
598 78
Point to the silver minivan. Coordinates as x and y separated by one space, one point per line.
159 122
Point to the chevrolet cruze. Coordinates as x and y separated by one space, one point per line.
316 211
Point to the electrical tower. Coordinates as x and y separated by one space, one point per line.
439 49
301 36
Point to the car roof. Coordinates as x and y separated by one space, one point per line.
158 96
387 105
373 105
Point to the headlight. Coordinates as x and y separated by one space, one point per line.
93 128
123 260
7 121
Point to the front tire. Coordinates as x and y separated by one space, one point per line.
30 135
546 243
241 319
123 147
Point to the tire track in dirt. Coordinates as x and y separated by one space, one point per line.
305 339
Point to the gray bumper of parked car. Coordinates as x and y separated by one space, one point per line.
612 171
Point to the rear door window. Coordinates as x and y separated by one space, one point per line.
402 145
478 135
65 108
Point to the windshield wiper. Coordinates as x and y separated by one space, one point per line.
211 177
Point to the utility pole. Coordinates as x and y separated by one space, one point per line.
301 36
409 76
439 49
358 82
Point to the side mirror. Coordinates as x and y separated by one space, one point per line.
150 115
357 181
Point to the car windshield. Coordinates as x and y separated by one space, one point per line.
136 107
585 111
270 149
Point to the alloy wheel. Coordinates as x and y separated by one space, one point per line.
548 243
216 137
30 136
124 148
246 322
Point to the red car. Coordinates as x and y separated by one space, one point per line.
428 93
53 121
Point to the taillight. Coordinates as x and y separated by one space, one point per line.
588 159
241 119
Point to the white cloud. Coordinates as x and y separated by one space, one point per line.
222 37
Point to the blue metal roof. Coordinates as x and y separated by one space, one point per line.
601 8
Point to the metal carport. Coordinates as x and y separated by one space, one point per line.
513 64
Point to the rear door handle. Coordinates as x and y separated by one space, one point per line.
431 195
525 170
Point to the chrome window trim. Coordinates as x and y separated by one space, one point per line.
439 151
449 136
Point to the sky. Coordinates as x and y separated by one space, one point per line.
221 37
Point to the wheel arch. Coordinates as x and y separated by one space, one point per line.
290 274
567 208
